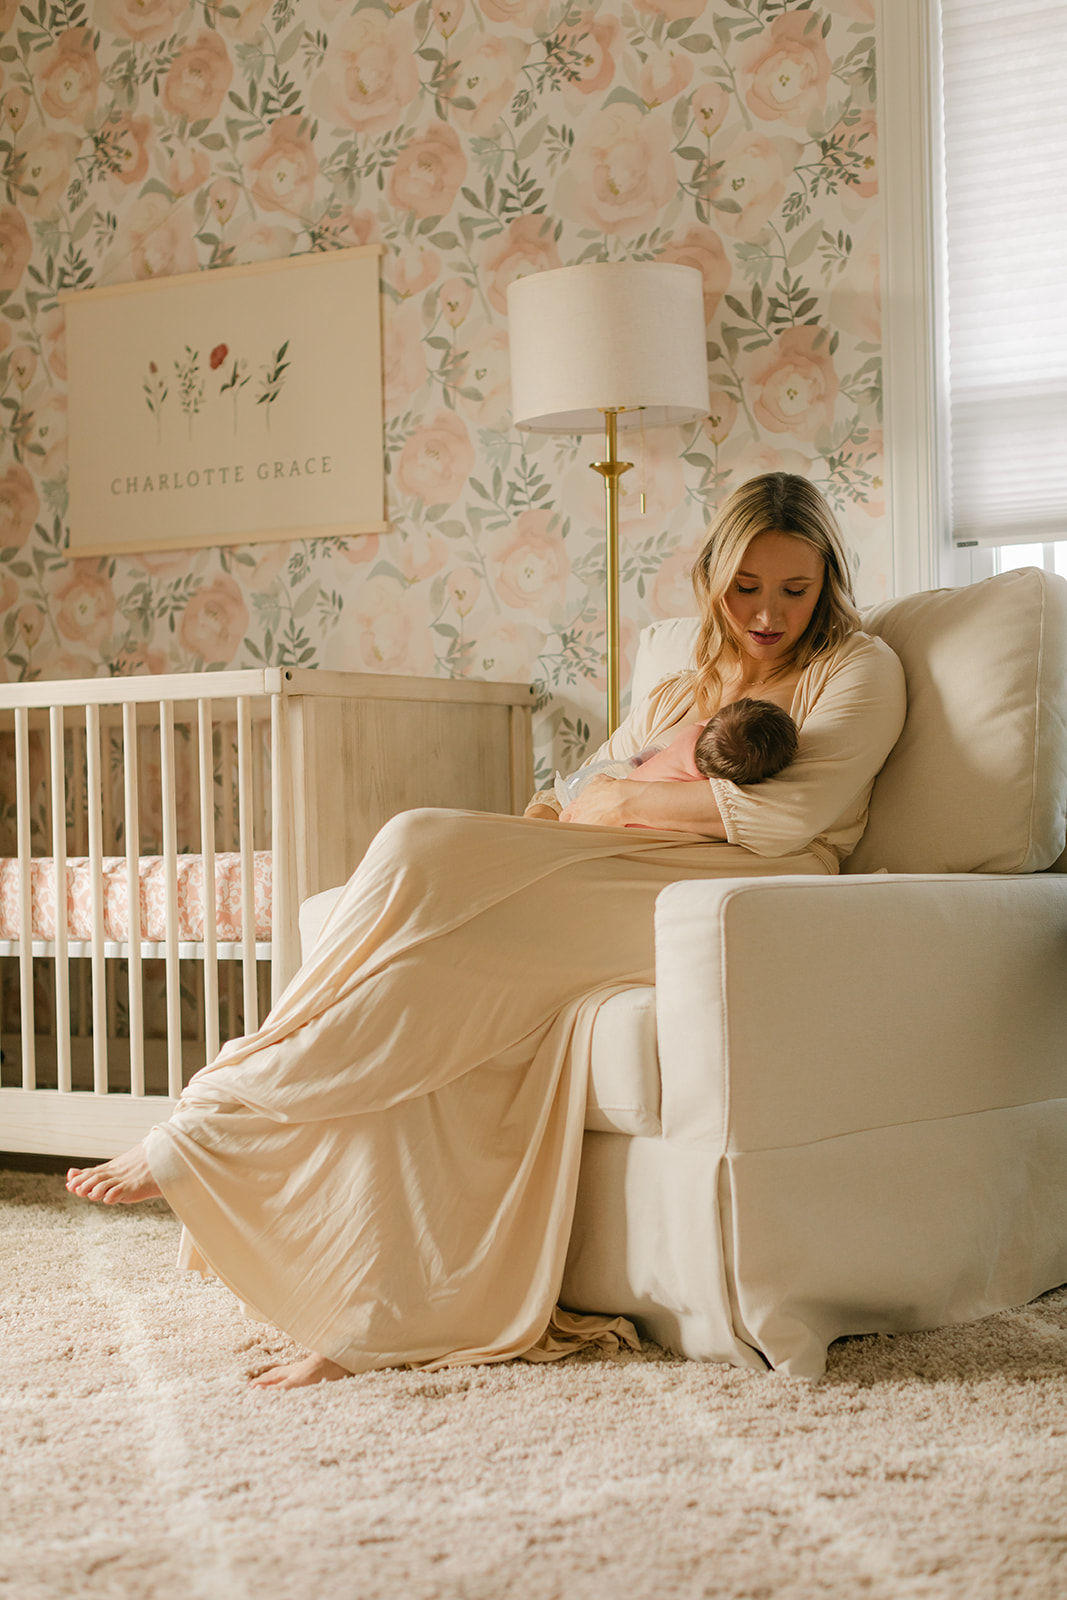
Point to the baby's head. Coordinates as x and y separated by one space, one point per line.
746 742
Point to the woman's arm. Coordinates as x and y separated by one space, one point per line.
667 702
628 803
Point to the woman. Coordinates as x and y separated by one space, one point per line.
387 1169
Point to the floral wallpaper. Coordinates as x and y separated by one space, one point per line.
475 140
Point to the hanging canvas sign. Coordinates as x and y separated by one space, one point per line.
227 406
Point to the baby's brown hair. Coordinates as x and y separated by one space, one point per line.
746 742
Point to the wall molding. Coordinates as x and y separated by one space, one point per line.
913 293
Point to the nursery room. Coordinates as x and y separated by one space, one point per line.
556 511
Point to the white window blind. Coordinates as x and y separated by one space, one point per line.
1005 139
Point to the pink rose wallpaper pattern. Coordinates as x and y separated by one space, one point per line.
476 140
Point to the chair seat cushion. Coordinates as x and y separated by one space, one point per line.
312 917
624 1085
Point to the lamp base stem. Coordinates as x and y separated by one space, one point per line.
611 470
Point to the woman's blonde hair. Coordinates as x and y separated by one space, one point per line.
777 502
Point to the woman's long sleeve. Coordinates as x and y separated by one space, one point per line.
851 715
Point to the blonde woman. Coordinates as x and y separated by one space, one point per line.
386 1169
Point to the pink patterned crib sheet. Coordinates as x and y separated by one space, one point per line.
228 919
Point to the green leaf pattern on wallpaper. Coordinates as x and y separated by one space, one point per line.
476 140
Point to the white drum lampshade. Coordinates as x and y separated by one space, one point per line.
608 345
625 336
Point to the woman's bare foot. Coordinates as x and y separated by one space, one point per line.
122 1181
298 1374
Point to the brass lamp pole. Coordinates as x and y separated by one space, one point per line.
611 470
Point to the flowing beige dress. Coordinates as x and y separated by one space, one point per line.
387 1169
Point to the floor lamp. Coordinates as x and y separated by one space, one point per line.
608 345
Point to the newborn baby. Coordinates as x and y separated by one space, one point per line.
745 742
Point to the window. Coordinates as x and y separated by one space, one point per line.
974 149
1052 557
1005 152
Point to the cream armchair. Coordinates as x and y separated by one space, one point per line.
843 1107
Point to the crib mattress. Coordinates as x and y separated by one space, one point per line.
228 917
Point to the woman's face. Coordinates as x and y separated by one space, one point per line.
773 596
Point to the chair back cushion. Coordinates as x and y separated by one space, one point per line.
977 781
663 649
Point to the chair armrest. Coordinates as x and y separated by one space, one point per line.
794 1009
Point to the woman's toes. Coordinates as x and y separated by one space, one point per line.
269 1379
300 1374
124 1180
88 1186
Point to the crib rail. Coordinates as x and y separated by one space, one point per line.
149 949
173 688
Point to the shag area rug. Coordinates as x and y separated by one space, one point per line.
137 1465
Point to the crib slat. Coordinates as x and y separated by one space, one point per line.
170 879
59 860
284 957
133 890
228 806
245 846
80 842
22 804
110 841
207 852
94 800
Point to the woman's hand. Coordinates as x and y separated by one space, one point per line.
602 803
628 803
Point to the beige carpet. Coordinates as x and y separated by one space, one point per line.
134 1462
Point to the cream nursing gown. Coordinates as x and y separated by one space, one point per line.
387 1169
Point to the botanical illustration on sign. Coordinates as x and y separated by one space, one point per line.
475 140
190 383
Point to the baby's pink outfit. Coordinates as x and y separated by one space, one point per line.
676 762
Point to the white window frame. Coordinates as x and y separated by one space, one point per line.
914 331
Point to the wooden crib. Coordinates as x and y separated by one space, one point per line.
138 796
